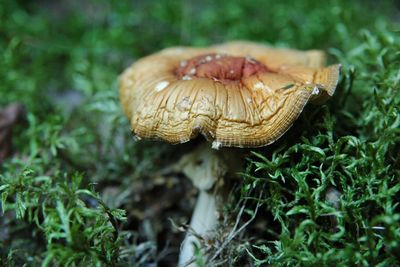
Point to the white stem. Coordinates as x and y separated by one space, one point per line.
203 222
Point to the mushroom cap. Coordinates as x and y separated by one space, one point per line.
239 94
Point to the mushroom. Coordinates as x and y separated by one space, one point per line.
237 94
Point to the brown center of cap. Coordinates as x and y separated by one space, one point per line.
222 68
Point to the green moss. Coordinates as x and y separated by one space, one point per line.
328 190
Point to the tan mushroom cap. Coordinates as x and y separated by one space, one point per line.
237 94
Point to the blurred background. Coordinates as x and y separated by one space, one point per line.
78 190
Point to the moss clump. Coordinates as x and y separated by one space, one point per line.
77 190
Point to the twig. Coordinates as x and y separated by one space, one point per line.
235 232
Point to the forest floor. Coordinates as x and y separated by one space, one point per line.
77 190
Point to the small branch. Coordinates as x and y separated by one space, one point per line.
235 232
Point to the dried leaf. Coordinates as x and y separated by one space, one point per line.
9 117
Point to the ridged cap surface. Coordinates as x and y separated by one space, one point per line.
238 94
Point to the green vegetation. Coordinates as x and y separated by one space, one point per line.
78 191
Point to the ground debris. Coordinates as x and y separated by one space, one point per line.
9 117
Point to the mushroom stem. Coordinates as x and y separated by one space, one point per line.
206 168
202 224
